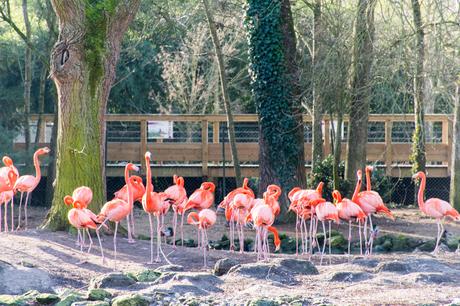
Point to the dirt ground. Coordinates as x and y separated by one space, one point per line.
56 253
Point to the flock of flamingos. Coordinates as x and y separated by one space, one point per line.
241 207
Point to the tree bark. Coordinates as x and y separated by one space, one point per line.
225 95
418 157
317 113
41 104
360 88
83 68
455 165
27 82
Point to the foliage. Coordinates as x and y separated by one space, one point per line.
323 172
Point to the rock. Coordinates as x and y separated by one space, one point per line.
350 277
265 271
393 266
369 263
147 275
434 278
26 299
18 280
112 280
131 300
91 303
98 295
188 283
297 266
427 246
69 297
263 302
223 265
47 298
169 268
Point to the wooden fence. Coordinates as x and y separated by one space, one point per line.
197 149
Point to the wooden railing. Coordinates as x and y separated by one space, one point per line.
197 149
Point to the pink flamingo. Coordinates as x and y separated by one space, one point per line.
27 183
138 190
326 211
370 202
84 196
435 208
348 210
6 184
117 210
153 204
204 220
177 196
8 196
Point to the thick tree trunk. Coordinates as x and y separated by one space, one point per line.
418 157
225 95
83 68
27 82
317 114
360 88
455 165
337 150
41 104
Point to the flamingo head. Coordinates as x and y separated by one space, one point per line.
68 200
208 186
7 161
77 204
137 180
132 167
43 151
245 182
419 175
293 191
148 155
369 168
180 181
359 174
337 196
274 190
319 188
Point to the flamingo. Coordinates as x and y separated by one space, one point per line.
348 210
8 195
435 208
116 210
138 190
153 204
263 217
204 220
83 219
177 196
84 196
6 184
27 183
326 211
370 202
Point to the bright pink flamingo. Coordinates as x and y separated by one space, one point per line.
27 183
153 204
8 196
204 220
177 196
347 211
370 202
435 208
326 211
138 190
6 184
117 210
84 196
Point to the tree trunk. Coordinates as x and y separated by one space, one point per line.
337 150
317 114
27 83
41 104
455 165
225 95
274 80
83 68
360 88
51 170
418 157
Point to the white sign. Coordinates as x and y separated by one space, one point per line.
159 129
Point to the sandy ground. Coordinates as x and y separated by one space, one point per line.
56 253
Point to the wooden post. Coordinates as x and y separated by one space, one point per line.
447 140
388 148
204 147
327 138
143 143
42 128
215 131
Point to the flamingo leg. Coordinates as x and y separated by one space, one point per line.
330 251
1 217
115 241
182 229
100 245
6 216
158 239
131 218
83 238
310 233
324 242
360 239
296 234
78 242
20 211
205 246
366 243
90 241
371 237
12 213
130 237
349 237
151 238
174 228
28 199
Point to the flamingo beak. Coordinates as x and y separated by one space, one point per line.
135 168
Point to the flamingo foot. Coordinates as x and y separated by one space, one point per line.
131 240
83 261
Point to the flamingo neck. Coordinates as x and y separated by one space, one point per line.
128 186
357 189
421 192
149 187
37 168
368 179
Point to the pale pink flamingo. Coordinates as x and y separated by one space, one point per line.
326 211
435 208
6 184
27 183
347 211
8 195
84 196
177 196
153 204
370 202
117 210
204 220
138 190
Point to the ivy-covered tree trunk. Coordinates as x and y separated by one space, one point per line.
83 68
418 157
360 88
455 165
272 57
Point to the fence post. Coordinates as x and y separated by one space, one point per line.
388 148
215 132
143 143
42 128
447 140
327 138
204 147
